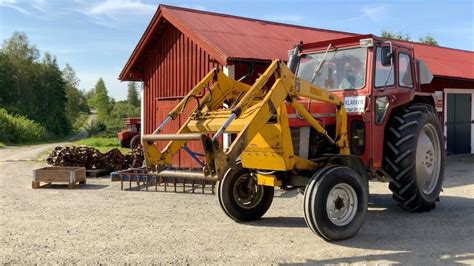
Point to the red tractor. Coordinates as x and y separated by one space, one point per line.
130 136
392 122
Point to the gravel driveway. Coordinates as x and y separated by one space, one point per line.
99 223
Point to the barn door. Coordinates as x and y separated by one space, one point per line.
163 107
459 123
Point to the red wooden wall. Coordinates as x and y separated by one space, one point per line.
172 67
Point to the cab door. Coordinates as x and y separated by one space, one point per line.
389 91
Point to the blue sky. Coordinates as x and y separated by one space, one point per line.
97 37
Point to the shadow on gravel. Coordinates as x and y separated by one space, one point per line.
288 222
405 257
79 187
447 232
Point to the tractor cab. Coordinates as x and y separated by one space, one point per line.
372 75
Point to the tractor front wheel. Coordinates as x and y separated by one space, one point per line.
335 203
241 198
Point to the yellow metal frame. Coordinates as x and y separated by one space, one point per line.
259 121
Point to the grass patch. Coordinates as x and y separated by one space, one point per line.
102 144
2 145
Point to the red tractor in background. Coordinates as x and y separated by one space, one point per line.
130 136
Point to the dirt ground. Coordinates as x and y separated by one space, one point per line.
99 223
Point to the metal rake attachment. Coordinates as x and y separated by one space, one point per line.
143 181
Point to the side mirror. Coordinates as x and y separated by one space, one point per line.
386 56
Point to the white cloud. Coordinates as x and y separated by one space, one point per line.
375 13
13 4
112 13
193 6
115 7
284 18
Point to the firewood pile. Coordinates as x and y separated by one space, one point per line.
91 158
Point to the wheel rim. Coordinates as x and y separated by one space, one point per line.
428 155
247 193
341 204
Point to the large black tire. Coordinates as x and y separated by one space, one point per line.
134 142
335 202
413 146
235 195
123 143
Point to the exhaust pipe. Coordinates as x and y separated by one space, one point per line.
295 56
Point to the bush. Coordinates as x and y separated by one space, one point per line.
19 129
93 128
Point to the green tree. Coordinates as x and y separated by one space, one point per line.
19 47
19 69
8 95
395 35
101 100
428 39
76 101
51 107
32 88
132 96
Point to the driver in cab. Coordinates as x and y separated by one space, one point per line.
350 80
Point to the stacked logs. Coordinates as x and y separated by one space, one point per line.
136 157
91 158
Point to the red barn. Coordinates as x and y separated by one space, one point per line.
181 45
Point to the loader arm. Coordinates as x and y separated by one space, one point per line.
257 116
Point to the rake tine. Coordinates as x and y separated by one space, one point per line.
146 180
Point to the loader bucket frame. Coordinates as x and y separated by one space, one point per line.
258 118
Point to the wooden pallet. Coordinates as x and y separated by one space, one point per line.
96 173
73 176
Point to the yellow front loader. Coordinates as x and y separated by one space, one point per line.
261 155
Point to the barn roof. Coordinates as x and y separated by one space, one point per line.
227 37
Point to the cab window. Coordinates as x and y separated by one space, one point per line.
381 72
404 71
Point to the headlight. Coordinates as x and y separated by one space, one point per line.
381 107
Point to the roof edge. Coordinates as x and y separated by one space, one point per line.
255 19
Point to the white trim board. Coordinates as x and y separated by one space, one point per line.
229 71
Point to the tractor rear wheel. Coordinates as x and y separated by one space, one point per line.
134 142
241 198
335 203
414 157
